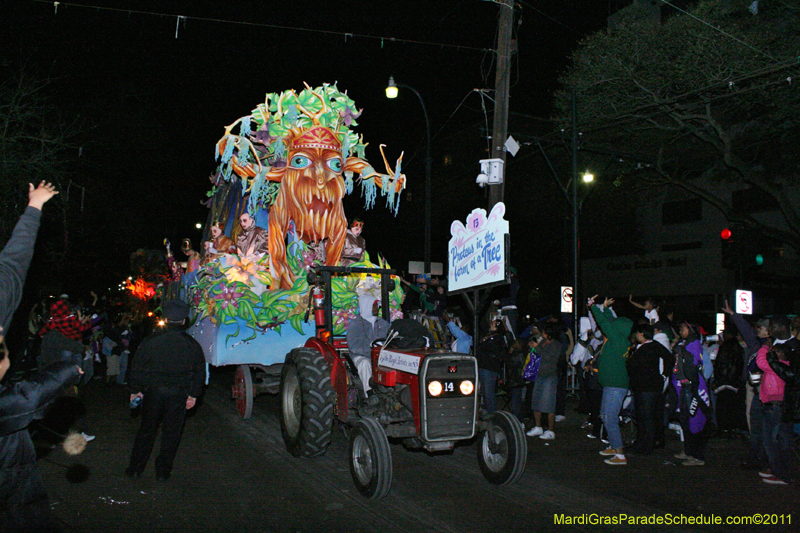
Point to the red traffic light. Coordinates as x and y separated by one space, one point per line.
725 234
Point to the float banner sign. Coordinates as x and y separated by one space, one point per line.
744 302
399 361
477 251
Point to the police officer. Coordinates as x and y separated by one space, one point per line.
168 374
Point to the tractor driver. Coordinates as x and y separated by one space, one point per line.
361 332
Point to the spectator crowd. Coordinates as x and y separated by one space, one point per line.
651 371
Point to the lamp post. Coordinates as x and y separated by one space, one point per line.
391 92
577 202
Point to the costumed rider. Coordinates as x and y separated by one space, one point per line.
354 244
252 240
363 330
219 243
192 263
175 270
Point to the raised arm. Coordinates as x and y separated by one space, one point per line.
635 304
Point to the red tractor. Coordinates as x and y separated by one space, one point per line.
425 398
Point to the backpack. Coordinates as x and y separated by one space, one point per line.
410 335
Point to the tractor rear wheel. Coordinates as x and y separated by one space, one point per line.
243 391
502 449
307 401
370 458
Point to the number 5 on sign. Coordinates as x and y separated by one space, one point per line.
744 302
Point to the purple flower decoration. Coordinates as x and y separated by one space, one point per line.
262 140
229 296
348 116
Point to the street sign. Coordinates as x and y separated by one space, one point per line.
720 323
477 252
744 302
566 299
418 267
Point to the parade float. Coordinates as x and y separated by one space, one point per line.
275 213
280 277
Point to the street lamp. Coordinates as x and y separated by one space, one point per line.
391 92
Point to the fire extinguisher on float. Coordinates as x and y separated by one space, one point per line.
318 297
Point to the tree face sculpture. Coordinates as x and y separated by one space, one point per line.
304 143
312 189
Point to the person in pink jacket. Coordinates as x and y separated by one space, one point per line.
771 389
776 432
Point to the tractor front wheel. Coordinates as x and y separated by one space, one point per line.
502 449
370 458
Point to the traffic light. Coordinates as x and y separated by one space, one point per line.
741 248
731 255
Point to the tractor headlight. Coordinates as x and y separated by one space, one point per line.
467 387
435 388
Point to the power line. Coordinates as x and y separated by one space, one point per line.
621 118
545 15
726 34
346 35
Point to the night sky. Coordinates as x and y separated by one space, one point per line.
155 105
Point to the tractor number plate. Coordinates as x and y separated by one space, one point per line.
449 389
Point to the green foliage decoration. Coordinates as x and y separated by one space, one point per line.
232 291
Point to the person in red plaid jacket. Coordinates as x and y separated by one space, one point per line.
62 332
63 319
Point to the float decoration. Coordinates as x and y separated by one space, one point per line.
292 160
141 289
305 143
262 143
233 290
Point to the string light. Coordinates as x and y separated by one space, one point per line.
262 25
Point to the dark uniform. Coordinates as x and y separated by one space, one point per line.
168 368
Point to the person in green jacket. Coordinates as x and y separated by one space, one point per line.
612 374
426 303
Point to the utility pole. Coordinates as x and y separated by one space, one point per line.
576 209
501 87
505 27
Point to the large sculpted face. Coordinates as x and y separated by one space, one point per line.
314 177
312 189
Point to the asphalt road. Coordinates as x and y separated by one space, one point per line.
236 475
